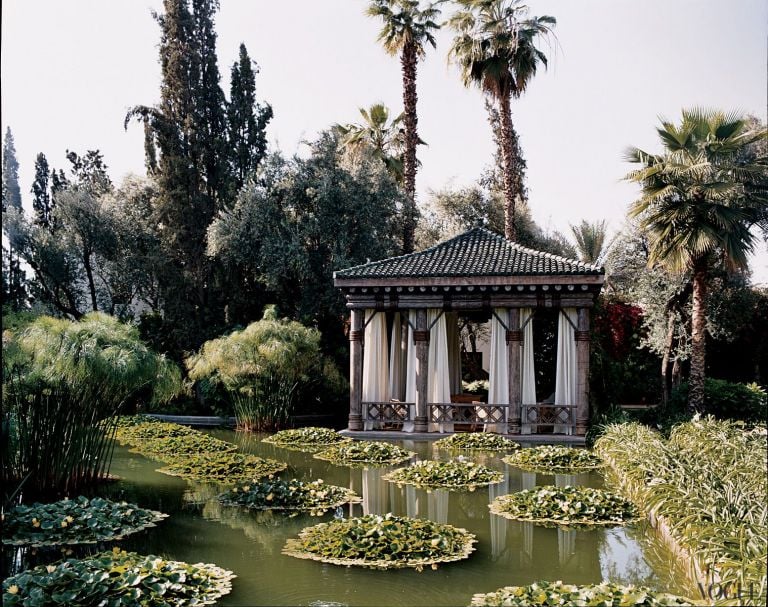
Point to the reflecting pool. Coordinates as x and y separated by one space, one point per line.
507 553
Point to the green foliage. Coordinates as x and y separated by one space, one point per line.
136 429
453 475
590 240
77 521
247 120
478 441
382 542
557 593
223 467
63 383
565 506
554 459
365 453
171 448
306 438
118 579
307 218
289 497
262 368
708 485
727 400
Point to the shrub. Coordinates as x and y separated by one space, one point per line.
63 384
262 369
727 400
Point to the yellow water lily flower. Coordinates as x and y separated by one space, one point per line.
13 589
64 523
270 497
50 568
35 522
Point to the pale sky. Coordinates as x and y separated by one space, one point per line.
71 69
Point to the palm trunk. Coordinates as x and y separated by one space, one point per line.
509 155
665 379
408 62
698 343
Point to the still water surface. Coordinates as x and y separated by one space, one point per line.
507 552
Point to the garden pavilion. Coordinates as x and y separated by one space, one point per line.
405 363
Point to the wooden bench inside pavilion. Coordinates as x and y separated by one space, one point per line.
405 358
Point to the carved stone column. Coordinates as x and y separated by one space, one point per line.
514 339
356 370
582 336
421 340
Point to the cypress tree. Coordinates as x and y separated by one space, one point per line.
42 203
247 120
11 189
186 149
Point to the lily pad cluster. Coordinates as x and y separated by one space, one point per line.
291 497
565 506
118 578
365 453
554 459
136 434
172 447
454 474
557 593
382 542
76 521
477 441
310 438
223 467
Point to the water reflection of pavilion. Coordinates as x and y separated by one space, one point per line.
518 546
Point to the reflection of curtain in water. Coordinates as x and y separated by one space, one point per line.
529 482
375 360
410 372
498 523
454 351
374 492
354 485
527 370
566 539
439 387
437 506
565 382
566 544
411 503
498 379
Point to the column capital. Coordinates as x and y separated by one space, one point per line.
582 335
421 336
356 335
514 335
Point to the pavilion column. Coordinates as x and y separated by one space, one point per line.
514 339
356 370
421 341
582 336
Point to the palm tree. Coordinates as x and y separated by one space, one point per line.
385 140
495 47
407 29
590 240
699 201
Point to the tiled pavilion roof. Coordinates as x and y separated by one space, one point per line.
477 252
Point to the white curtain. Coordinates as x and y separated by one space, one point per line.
498 385
410 372
565 382
527 370
438 384
375 360
454 351
397 360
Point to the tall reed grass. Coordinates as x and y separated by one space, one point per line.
708 485
63 384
